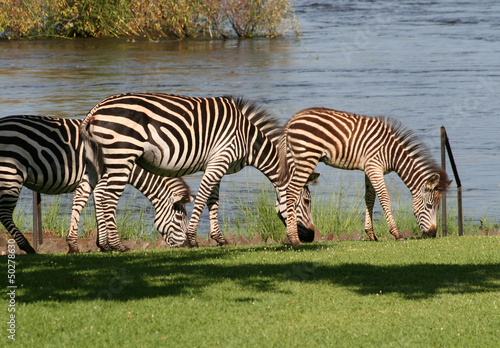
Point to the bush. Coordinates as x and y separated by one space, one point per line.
146 18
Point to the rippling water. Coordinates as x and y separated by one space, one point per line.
427 63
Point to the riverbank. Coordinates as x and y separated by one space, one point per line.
146 19
52 243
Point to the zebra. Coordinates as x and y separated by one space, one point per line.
46 155
168 196
376 145
177 135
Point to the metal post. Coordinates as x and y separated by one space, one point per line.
443 195
460 217
459 185
445 143
37 220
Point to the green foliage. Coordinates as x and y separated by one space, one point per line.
54 216
88 220
341 211
146 18
132 223
418 293
257 216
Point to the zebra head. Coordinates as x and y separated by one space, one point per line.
426 203
172 221
305 223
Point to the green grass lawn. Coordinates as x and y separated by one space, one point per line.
443 292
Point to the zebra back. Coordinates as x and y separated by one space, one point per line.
259 117
46 150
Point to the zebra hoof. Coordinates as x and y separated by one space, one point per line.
104 248
29 249
193 244
120 247
73 250
222 242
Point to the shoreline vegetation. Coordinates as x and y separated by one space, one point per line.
149 19
339 217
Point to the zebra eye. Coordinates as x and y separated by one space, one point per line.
307 201
428 206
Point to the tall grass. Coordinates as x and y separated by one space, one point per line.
342 210
55 215
146 18
256 215
133 222
136 222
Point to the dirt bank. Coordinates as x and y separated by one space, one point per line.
55 244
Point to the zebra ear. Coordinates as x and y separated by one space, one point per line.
313 178
432 182
182 198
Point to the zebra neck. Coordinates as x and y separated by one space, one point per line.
414 172
264 157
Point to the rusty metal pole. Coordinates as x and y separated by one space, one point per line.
443 195
37 220
459 185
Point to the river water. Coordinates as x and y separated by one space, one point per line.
426 63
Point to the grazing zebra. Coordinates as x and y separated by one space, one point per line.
176 135
168 196
46 155
373 144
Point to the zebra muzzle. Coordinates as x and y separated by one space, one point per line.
430 233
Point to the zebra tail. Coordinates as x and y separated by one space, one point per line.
283 165
94 157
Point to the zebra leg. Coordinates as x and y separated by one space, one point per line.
298 181
377 180
292 231
370 202
213 207
8 201
213 174
99 203
293 193
80 198
116 182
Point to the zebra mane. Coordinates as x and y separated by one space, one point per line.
416 148
259 117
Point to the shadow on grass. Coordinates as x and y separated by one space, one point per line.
159 273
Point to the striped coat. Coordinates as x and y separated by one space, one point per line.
46 155
374 145
176 135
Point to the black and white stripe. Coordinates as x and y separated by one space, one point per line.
176 135
372 144
46 155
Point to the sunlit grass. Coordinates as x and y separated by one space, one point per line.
255 213
419 293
